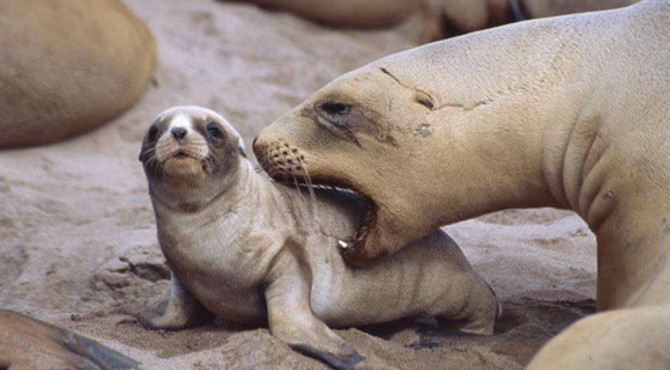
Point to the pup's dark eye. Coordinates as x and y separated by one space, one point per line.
214 131
153 133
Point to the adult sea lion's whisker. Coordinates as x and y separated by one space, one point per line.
295 181
308 180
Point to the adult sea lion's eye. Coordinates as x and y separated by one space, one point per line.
334 112
214 131
153 133
334 108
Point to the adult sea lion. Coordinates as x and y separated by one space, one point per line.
247 249
459 16
68 66
568 112
441 18
552 8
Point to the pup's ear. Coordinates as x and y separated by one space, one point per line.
243 152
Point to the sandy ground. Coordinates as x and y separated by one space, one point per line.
77 235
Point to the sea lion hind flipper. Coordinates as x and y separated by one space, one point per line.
346 362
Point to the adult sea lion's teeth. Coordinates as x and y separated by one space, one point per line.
343 244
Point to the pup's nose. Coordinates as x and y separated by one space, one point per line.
178 133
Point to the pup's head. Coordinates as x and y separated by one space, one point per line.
190 155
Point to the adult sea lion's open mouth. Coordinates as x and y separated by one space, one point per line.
288 164
350 248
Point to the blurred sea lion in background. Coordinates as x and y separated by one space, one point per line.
442 18
551 8
68 66
26 343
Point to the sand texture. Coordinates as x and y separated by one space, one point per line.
78 242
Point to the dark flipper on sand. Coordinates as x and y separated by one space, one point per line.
29 343
336 362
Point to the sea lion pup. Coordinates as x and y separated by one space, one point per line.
68 66
570 112
238 243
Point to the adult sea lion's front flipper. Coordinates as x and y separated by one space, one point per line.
32 344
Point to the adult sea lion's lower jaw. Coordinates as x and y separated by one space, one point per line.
361 250
355 252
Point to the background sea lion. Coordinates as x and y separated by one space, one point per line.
619 339
569 112
344 13
68 66
551 8
441 18
26 343
247 249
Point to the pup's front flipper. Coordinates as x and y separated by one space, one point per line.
291 319
182 311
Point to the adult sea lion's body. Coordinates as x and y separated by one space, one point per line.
68 66
569 112
248 249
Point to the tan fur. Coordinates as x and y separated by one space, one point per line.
251 243
441 18
551 8
615 340
68 66
345 13
26 343
569 112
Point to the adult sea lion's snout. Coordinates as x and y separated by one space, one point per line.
283 162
